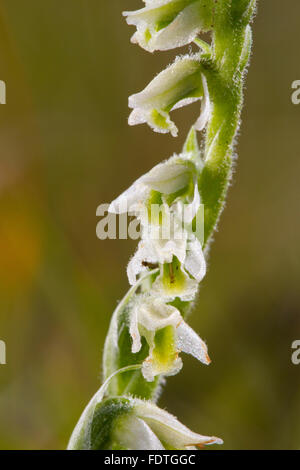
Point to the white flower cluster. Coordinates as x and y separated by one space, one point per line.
166 200
178 254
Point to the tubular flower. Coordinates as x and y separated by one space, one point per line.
178 173
178 85
167 24
150 428
179 260
167 236
167 335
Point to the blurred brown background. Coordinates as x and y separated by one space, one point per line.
66 148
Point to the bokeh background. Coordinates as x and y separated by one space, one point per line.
65 148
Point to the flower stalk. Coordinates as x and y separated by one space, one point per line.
148 331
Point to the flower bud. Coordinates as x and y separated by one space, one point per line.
125 423
162 430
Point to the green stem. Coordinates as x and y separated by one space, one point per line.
225 76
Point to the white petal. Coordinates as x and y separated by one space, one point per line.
144 115
161 244
180 32
170 87
134 330
135 266
205 108
191 210
167 177
168 428
163 90
131 200
195 262
185 102
137 116
134 434
154 314
167 249
155 250
190 343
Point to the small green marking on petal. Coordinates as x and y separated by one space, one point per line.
164 353
173 279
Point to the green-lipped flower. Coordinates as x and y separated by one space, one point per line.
166 24
174 281
173 184
166 333
179 85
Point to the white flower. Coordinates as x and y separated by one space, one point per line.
166 24
167 237
178 85
166 178
174 280
147 427
167 335
178 252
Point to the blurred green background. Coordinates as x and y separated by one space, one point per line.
65 148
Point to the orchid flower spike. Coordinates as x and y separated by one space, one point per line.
148 331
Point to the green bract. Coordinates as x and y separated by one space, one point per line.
148 330
131 424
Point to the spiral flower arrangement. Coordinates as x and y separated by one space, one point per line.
148 331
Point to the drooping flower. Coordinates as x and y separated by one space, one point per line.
166 24
178 85
148 427
166 333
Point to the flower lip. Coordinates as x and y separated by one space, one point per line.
166 333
